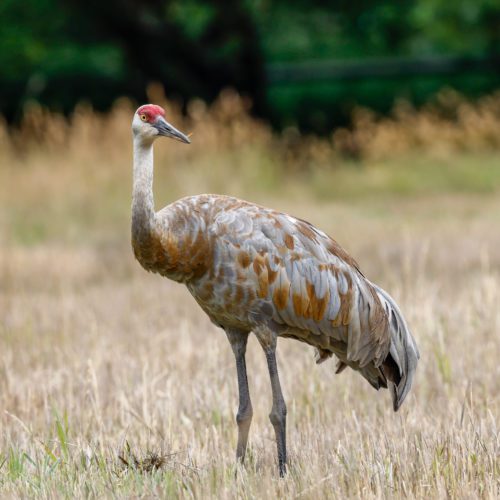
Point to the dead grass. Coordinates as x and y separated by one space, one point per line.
449 125
114 384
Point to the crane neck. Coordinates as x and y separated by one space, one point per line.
143 212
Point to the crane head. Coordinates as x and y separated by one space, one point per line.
149 123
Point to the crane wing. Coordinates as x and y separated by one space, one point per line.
316 287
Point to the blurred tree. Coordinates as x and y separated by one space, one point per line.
343 29
464 26
60 52
193 48
49 54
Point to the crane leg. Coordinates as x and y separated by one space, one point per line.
268 341
238 341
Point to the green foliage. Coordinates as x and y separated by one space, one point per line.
350 30
465 26
47 36
60 53
44 48
194 17
315 30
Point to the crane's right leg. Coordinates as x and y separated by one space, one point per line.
268 341
238 341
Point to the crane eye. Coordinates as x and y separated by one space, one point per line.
144 118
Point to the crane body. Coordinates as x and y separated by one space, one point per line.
253 269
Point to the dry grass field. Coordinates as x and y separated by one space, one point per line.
114 384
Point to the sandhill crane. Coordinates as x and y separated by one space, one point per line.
252 269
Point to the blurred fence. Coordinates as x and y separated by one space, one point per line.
311 71
322 95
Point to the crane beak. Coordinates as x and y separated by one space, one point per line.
166 130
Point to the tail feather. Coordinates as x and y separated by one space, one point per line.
401 362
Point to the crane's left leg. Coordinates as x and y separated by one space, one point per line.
238 341
268 340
